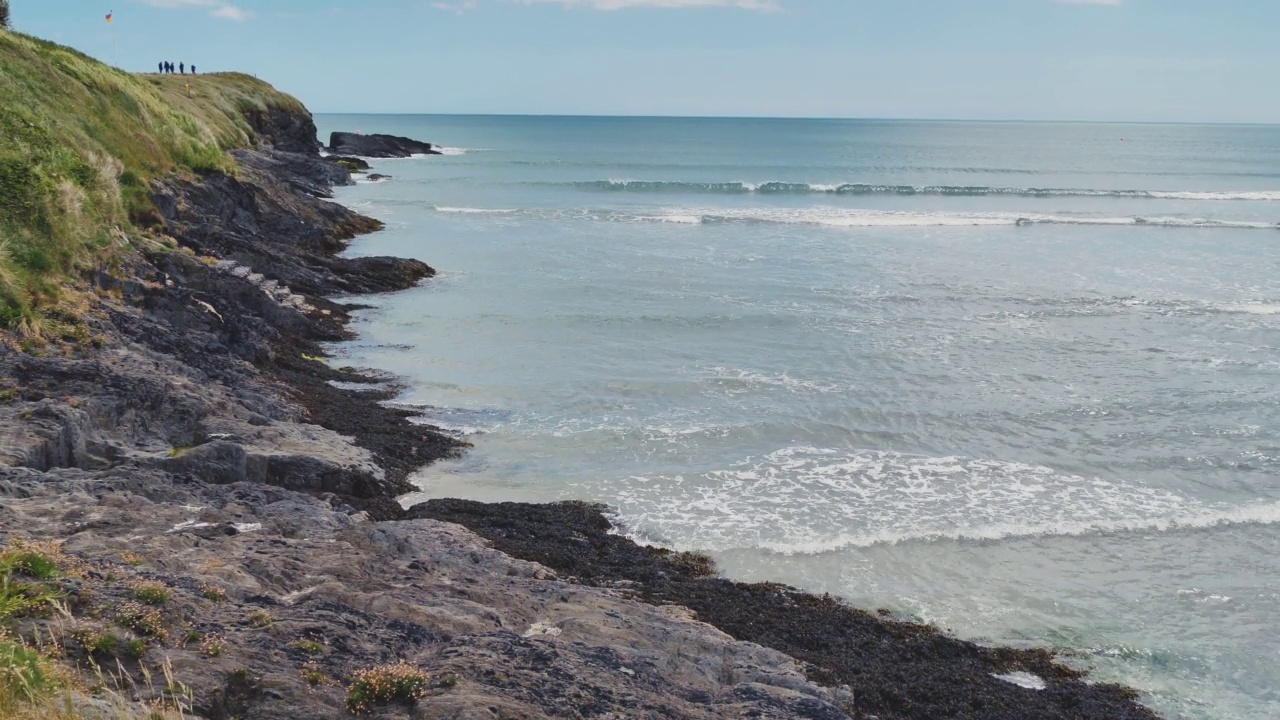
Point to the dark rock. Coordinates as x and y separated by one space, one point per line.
378 146
895 670
353 164
379 176
289 131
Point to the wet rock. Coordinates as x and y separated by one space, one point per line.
378 146
893 670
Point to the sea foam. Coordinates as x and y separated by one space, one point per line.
854 188
811 500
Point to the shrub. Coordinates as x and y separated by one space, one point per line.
312 676
152 592
310 647
4 14
260 619
386 684
135 648
146 621
212 646
213 592
95 642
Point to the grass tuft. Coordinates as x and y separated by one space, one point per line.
260 619
152 592
385 684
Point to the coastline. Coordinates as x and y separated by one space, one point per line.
204 438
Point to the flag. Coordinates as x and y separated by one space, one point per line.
109 16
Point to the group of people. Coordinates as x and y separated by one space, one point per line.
166 68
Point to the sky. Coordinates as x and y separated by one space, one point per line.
1107 60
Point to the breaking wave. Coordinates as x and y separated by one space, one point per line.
853 218
808 500
742 188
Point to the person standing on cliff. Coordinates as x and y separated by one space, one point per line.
193 69
161 66
182 68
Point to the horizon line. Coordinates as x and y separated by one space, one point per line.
1253 123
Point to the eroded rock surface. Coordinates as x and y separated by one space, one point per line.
378 146
199 443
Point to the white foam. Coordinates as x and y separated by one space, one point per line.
475 211
735 381
809 500
855 218
452 150
1262 195
1024 680
1254 308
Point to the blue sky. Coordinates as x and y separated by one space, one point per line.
1129 60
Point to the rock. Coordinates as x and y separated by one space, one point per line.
353 164
378 146
285 130
900 670
378 176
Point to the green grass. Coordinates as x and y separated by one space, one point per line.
386 684
81 143
152 592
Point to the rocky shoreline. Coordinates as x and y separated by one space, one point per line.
198 441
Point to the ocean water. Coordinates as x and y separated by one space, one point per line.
1019 380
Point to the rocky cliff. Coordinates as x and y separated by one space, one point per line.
201 521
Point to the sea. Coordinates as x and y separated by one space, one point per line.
1019 380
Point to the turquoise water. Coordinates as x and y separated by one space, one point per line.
1021 380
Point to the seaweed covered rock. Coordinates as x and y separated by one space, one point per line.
894 670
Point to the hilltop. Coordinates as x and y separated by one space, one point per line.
82 144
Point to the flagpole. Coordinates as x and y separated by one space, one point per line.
115 42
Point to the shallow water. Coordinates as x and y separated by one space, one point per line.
1022 380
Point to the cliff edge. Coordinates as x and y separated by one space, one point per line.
199 514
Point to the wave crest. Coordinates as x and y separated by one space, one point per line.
740 188
808 500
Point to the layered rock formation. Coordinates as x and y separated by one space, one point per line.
378 146
198 443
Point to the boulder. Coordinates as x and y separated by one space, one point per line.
378 146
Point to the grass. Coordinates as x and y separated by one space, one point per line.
82 143
152 592
34 685
310 647
212 646
142 619
25 569
385 684
27 676
260 619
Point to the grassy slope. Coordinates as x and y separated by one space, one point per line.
79 142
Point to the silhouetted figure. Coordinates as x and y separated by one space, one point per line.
182 68
193 69
161 66
168 67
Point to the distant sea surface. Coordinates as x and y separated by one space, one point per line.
1018 380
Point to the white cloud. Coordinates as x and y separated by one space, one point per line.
216 8
764 5
455 7
460 6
